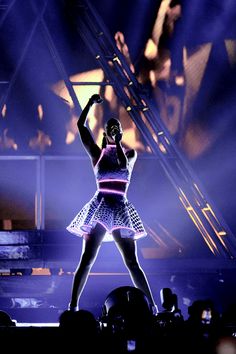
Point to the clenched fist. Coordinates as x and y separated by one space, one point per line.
95 99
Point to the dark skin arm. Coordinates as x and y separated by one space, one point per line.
121 156
124 157
91 147
131 155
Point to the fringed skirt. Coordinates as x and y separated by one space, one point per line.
112 211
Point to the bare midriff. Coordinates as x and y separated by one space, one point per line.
113 186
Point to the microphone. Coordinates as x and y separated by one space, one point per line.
104 141
114 131
99 100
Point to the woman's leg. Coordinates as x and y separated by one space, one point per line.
128 250
91 245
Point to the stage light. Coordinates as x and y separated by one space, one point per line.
4 110
40 112
171 315
167 299
123 297
126 310
203 312
179 80
162 148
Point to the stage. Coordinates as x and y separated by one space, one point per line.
166 71
35 288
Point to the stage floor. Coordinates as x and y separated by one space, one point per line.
36 277
42 298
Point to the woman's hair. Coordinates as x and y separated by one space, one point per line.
111 122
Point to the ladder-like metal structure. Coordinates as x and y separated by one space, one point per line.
209 222
7 85
38 24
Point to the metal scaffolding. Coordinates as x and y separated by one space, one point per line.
209 222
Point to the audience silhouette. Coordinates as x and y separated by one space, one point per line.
126 325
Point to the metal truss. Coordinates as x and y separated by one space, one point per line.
209 222
7 85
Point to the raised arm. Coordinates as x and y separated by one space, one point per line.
124 158
91 147
121 156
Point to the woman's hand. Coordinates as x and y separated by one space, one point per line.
95 99
116 134
118 137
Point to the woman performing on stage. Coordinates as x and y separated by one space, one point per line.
109 213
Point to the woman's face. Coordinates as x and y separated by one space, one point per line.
113 126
